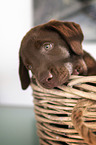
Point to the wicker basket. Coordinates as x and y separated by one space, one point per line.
67 114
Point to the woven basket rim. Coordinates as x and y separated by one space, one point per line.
64 100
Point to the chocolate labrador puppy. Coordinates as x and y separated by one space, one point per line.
53 51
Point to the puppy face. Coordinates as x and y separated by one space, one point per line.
52 52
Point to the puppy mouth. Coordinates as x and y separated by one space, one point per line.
54 76
49 85
56 81
53 84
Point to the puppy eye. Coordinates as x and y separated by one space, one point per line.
29 67
48 46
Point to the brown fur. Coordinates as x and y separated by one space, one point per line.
54 66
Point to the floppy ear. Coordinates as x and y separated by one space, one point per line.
71 33
23 74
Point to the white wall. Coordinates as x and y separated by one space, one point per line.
90 48
16 19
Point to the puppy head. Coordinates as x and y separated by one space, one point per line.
52 52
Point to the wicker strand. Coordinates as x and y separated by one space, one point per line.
80 126
81 93
82 80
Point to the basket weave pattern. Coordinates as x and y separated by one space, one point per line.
67 114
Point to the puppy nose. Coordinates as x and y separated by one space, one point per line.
46 77
49 77
47 80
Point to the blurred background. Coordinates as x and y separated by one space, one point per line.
16 18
